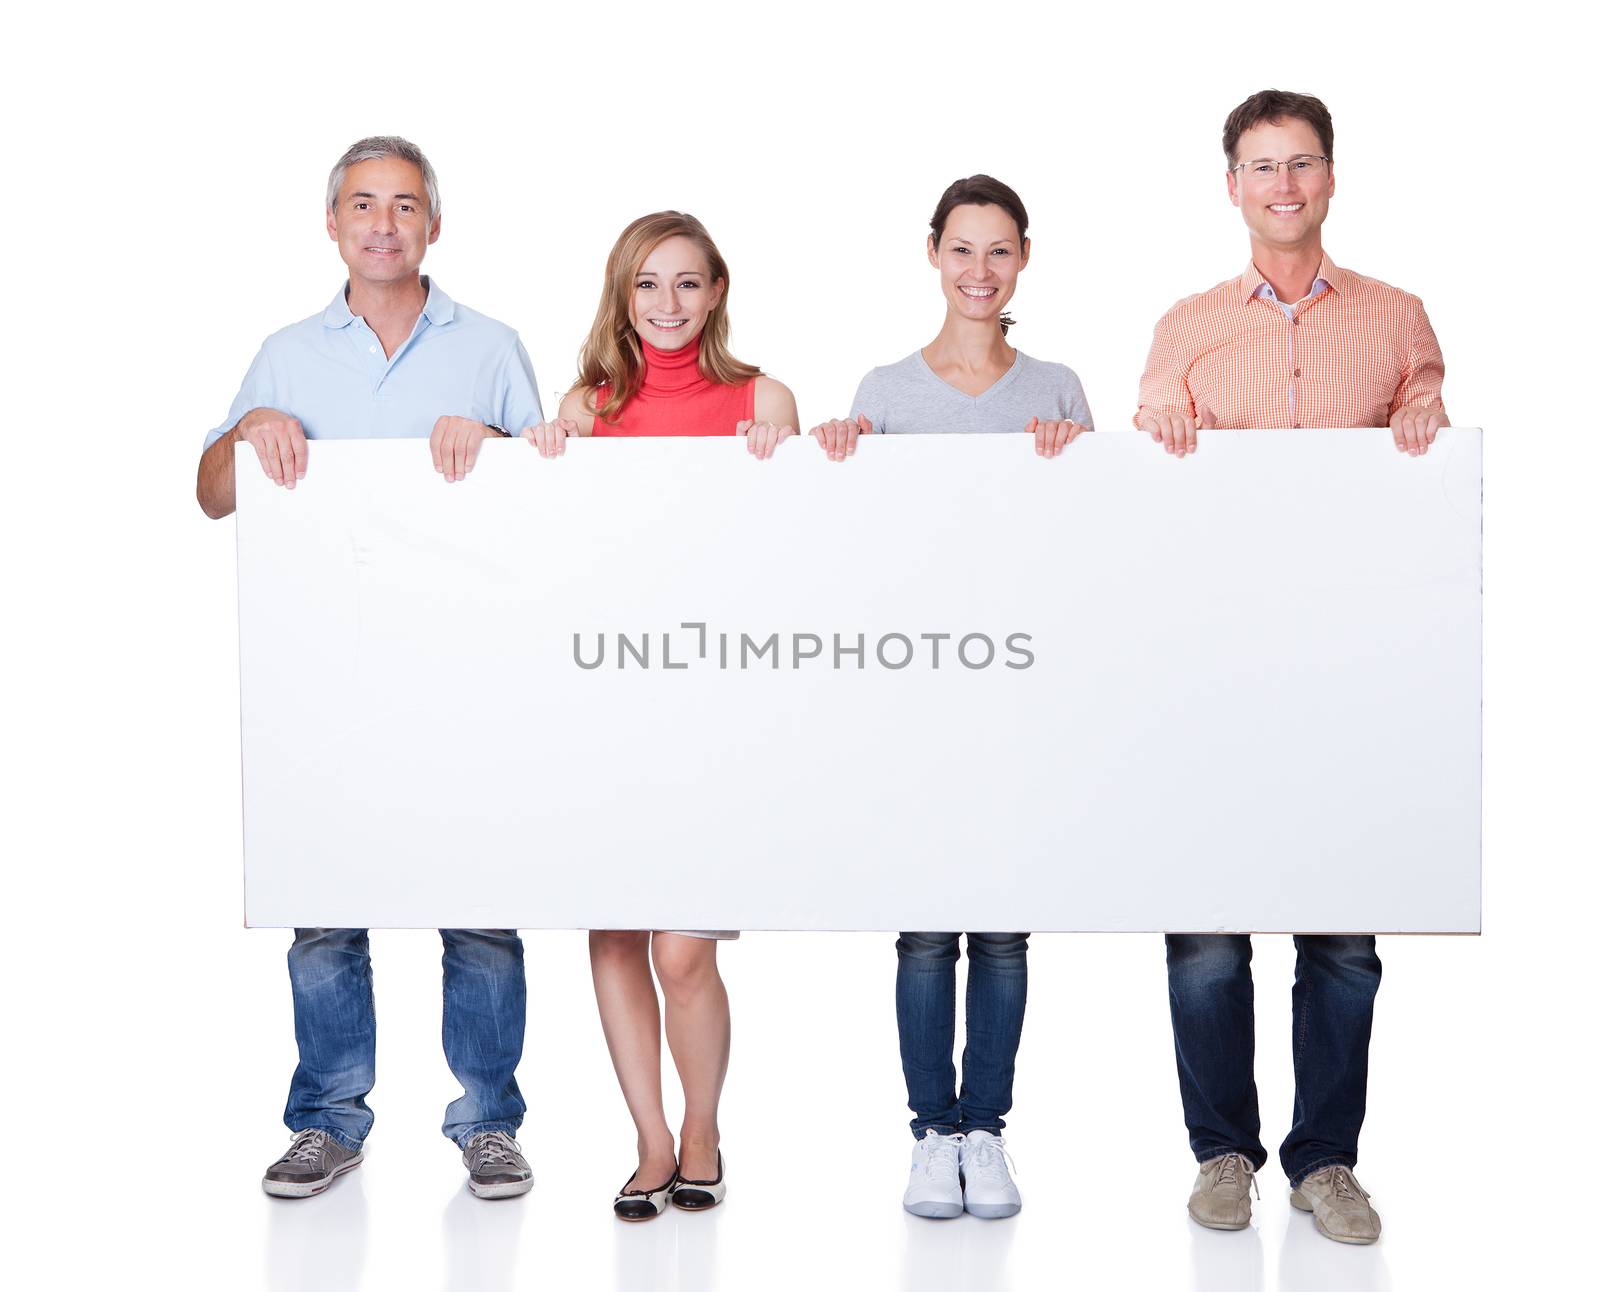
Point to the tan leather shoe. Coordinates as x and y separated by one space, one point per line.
1339 1205
1221 1197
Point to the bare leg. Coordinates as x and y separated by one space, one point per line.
698 1031
631 1018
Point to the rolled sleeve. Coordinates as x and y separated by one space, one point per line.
1164 387
1422 385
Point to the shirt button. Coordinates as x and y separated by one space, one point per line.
372 349
1297 426
1297 372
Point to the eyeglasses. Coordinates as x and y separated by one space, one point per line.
1264 168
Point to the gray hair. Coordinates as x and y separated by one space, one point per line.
375 148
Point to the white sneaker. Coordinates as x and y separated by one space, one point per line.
935 1186
989 1192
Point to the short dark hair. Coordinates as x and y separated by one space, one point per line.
1277 105
978 190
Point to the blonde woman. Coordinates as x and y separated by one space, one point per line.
657 363
657 360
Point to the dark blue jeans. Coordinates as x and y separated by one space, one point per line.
485 1000
1214 1030
925 1002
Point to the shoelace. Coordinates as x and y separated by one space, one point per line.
1228 1172
307 1147
943 1157
492 1147
987 1155
1344 1185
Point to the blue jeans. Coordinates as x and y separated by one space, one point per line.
485 1000
925 1003
1214 1031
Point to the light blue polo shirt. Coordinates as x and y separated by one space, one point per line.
330 373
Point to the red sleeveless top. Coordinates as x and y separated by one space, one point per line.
676 398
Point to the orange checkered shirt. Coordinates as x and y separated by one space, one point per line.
1354 354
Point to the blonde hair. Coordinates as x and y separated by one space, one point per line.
611 356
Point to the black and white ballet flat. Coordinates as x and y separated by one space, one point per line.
699 1195
643 1204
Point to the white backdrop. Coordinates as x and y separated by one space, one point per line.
165 169
999 784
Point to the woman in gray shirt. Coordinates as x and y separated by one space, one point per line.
969 379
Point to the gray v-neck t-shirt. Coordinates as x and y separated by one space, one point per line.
909 398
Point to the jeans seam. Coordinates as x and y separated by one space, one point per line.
1341 1159
966 1041
1247 1154
353 943
483 1128
339 1137
1301 1031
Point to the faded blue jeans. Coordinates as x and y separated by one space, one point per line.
1214 1032
485 1001
925 1004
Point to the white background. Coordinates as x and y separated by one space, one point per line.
163 212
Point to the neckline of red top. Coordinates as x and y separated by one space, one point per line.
670 371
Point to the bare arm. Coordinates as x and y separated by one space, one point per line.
775 403
214 488
280 446
573 410
775 418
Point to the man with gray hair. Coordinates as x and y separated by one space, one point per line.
391 356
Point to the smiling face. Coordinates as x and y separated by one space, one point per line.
673 294
1284 210
381 221
978 260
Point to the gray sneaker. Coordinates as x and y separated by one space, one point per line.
495 1166
1339 1205
1221 1197
313 1160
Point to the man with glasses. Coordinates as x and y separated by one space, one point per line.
1293 341
390 357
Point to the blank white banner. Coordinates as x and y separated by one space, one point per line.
944 685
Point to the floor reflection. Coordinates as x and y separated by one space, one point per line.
684 1243
1223 1260
697 1248
319 1242
964 1253
1308 1262
480 1242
